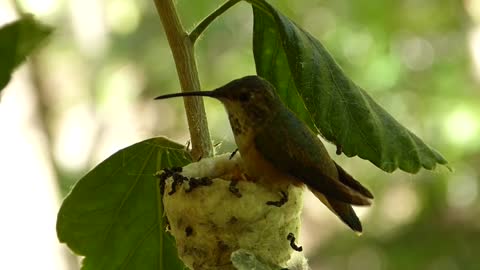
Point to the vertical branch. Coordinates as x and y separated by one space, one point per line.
183 54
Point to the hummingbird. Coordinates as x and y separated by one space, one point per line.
279 149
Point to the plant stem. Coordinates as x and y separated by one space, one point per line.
183 54
210 18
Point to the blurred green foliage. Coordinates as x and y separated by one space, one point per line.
416 58
17 40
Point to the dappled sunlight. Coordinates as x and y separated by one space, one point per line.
44 8
119 83
324 20
399 205
383 71
318 223
462 126
7 13
463 188
357 47
123 16
89 14
366 258
29 196
74 135
473 8
416 53
475 49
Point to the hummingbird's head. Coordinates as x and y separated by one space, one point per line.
250 99
249 89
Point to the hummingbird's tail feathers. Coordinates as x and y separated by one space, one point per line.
346 213
335 189
343 210
348 180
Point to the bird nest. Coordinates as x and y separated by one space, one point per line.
213 209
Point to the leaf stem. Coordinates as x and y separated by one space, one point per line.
183 54
209 19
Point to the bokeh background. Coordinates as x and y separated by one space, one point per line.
88 93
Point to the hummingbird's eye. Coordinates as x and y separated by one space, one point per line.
244 97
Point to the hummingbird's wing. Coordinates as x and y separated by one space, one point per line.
348 180
291 147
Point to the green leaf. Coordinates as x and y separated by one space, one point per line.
17 40
316 89
114 216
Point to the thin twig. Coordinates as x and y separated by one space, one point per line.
209 19
183 54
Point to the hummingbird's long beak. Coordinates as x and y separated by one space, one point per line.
188 94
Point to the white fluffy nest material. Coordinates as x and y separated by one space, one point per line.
210 216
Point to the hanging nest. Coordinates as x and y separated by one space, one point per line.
213 209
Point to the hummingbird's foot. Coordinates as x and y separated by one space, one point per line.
291 238
233 154
234 189
281 202
197 182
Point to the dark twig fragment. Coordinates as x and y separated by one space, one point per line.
339 150
291 238
188 231
178 179
281 202
234 189
187 146
233 154
167 172
197 182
